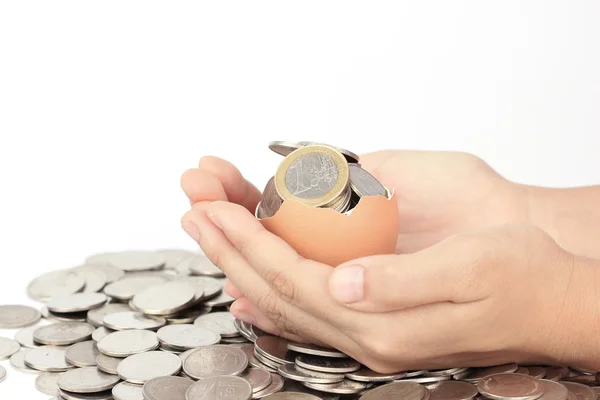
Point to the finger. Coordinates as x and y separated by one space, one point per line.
238 189
443 273
201 185
231 290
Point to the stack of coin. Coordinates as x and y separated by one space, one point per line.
317 175
156 326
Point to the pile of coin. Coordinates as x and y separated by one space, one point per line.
317 175
156 325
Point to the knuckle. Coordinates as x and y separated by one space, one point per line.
271 307
282 284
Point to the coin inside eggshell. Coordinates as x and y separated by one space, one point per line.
330 237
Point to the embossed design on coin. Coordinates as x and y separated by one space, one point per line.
166 388
126 343
16 316
142 367
186 336
510 386
63 333
86 380
54 283
215 360
220 387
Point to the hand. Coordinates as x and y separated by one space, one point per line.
498 295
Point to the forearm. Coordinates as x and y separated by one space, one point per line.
571 216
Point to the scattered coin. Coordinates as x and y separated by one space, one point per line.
166 388
111 272
128 342
136 260
221 300
142 367
221 322
475 374
17 361
218 387
258 378
126 288
128 391
510 386
186 336
95 278
275 348
50 284
96 316
82 354
364 184
8 347
132 320
556 373
275 386
582 392
16 316
446 372
215 360
107 364
76 302
452 390
554 390
537 372
63 394
47 383
397 390
63 333
294 372
187 316
25 335
100 332
365 374
427 379
86 380
344 387
2 373
47 358
293 396
63 317
165 299
332 365
307 348
201 265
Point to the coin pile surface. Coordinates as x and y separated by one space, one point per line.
156 326
317 175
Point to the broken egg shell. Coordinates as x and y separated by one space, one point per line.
330 237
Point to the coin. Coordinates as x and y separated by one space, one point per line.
475 374
582 392
76 302
187 316
293 396
314 175
283 148
332 365
397 390
446 372
350 156
127 287
164 299
25 335
536 372
186 336
47 383
63 394
82 354
47 358
128 391
17 316
294 372
275 386
128 342
215 360
452 390
142 367
365 184
111 273
96 316
221 323
307 348
199 264
166 388
264 361
8 347
94 277
132 320
427 379
63 317
553 390
270 201
344 387
137 260
54 283
100 332
365 374
107 364
510 386
220 387
258 378
63 333
223 299
275 348
2 373
86 380
556 373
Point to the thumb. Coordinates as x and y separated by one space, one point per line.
395 282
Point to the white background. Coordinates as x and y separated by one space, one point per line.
104 104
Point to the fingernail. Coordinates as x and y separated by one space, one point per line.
347 284
192 230
214 218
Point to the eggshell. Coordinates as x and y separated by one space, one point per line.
330 237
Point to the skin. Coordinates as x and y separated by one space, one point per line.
477 279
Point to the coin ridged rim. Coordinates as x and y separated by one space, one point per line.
304 361
275 386
343 178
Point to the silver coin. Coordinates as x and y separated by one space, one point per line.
510 386
234 340
17 361
96 315
63 394
63 333
107 364
446 372
186 336
174 257
452 390
221 322
427 379
365 374
581 392
47 383
187 316
128 391
95 279
132 320
266 361
220 387
2 373
54 283
296 373
556 373
142 367
293 396
275 386
350 156
47 358
283 148
397 390
522 370
473 375
100 332
258 378
308 348
82 354
211 287
165 299
201 265
127 287
412 374
128 342
536 372
256 363
25 335
554 390
86 380
245 330
167 388
365 184
17 316
344 387
164 347
111 273
76 302
223 299
275 348
63 317
184 354
137 260
270 202
215 360
8 347
332 365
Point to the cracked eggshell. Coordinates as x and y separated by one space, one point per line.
330 237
